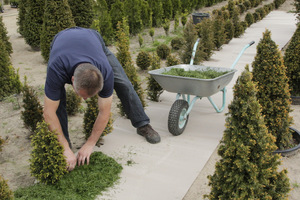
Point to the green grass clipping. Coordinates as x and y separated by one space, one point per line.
207 73
83 183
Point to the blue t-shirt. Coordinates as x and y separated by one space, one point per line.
69 48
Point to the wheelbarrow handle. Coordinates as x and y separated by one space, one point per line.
241 53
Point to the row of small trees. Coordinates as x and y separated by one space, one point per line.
257 124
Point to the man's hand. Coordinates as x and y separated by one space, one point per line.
84 153
70 158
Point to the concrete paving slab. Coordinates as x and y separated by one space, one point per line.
165 171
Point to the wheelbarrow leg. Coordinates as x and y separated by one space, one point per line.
223 104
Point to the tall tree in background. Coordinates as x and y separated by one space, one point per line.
146 14
168 9
273 94
125 60
33 23
157 12
117 12
133 13
247 169
21 16
5 38
82 12
176 7
57 17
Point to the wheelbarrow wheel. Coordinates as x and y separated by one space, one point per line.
177 117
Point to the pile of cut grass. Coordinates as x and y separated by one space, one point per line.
207 73
83 183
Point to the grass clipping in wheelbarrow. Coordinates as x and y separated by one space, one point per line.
83 183
207 73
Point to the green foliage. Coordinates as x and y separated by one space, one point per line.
218 29
143 60
177 43
249 18
176 22
190 37
117 12
238 28
153 88
47 162
207 73
273 94
157 12
168 9
229 30
4 37
206 35
184 18
278 3
73 102
141 40
82 12
57 17
33 23
5 192
146 14
163 51
83 183
90 116
256 16
166 26
247 168
9 79
151 33
172 60
21 16
104 26
292 62
133 14
261 12
124 57
33 110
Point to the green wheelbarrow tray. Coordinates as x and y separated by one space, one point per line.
192 86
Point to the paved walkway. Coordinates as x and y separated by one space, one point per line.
167 170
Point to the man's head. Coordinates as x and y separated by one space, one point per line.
87 80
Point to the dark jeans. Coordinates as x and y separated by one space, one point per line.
125 91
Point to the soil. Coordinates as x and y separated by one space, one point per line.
14 159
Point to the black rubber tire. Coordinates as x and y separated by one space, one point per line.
176 125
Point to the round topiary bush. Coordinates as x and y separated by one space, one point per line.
143 60
172 60
249 18
177 43
163 51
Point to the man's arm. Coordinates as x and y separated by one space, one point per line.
51 118
86 150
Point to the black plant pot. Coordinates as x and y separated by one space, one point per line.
295 100
296 136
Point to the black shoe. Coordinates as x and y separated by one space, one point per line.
150 134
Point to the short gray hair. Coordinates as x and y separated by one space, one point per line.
89 78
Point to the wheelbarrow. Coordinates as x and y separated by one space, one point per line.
186 86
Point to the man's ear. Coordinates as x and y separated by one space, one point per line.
72 80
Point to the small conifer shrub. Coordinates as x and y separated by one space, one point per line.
151 33
154 90
177 43
292 62
249 18
163 51
47 162
141 40
33 110
247 168
90 117
9 78
273 94
5 192
143 60
172 60
229 30
4 37
73 102
166 26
